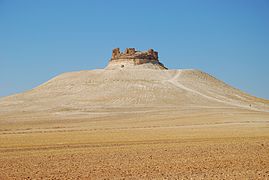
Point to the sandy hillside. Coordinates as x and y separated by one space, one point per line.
85 90
137 123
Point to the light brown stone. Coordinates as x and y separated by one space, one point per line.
137 57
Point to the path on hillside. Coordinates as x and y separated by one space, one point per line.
174 81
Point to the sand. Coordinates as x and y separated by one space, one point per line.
134 124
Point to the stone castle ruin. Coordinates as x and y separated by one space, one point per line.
133 57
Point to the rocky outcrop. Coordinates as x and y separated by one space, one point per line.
134 57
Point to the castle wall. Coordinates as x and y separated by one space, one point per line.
131 53
131 57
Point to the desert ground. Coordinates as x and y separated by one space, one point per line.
134 124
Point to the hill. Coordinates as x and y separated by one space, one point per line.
135 119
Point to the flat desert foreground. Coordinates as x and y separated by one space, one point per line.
148 146
143 124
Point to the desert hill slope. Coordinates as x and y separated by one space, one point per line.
84 90
135 119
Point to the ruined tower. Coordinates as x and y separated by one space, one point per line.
131 58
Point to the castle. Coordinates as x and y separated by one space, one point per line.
131 55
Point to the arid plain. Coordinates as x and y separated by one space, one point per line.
135 124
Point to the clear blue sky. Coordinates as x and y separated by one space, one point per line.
43 38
